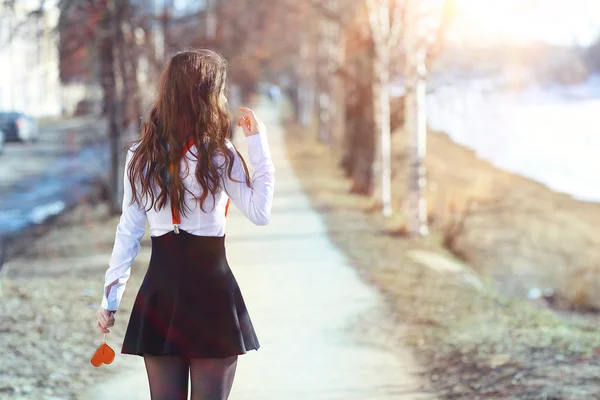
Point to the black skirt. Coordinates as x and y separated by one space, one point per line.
189 303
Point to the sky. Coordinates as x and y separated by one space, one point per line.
565 22
182 5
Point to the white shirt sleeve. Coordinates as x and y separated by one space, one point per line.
255 201
130 230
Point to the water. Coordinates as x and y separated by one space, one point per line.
64 182
546 134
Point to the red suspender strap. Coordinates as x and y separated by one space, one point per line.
175 217
227 206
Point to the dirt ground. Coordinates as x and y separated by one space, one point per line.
49 296
476 342
512 230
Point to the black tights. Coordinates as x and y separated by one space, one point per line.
211 378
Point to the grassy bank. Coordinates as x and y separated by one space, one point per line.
474 341
51 289
509 228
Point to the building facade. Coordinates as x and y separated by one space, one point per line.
29 59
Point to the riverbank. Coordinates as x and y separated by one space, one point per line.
541 240
42 179
474 340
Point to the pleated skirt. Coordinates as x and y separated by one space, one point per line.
189 303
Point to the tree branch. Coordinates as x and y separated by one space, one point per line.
396 24
439 42
317 6
374 22
35 13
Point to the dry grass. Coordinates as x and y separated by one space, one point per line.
48 302
475 342
515 231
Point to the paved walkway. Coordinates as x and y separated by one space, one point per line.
304 299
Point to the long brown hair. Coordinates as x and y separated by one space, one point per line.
188 105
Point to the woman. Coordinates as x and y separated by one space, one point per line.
189 316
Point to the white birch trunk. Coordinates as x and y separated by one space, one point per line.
385 135
211 19
338 109
330 48
324 82
379 18
415 123
306 92
307 95
166 27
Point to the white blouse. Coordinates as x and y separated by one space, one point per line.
254 202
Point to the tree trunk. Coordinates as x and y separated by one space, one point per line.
166 21
128 54
136 95
306 97
359 143
327 49
382 175
234 102
211 20
415 122
323 89
305 90
152 42
361 127
106 53
124 74
381 28
338 117
396 114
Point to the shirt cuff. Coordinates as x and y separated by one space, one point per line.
104 304
258 149
113 300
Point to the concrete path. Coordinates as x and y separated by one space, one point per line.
305 301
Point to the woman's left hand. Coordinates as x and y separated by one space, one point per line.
106 319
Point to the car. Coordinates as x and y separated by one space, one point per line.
84 107
18 126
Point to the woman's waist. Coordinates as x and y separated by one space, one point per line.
206 228
185 246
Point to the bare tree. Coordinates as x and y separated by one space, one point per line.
385 23
360 134
113 53
329 49
425 23
415 74
109 88
166 27
211 20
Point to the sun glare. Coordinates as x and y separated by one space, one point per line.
485 19
558 21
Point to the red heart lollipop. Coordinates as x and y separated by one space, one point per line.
103 355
